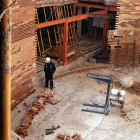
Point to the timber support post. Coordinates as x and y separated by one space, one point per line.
5 72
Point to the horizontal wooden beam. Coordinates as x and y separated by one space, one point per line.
110 16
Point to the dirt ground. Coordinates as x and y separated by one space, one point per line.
77 89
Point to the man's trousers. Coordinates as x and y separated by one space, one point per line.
47 79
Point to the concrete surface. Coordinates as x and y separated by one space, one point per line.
14 136
77 89
80 62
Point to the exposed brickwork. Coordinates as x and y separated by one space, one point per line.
23 50
127 30
43 3
24 47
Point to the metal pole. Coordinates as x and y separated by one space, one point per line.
118 55
134 52
127 56
5 73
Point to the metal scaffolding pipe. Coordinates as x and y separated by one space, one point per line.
5 72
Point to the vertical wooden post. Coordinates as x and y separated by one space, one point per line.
5 73
65 43
73 25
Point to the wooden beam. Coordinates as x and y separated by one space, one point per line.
5 71
110 16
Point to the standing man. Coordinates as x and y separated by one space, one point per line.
49 70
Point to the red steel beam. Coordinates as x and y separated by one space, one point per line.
50 23
74 14
70 19
84 16
112 8
104 33
105 29
76 18
74 9
65 43
90 5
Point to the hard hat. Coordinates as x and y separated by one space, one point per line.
48 59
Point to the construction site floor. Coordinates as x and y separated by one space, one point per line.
77 89
83 49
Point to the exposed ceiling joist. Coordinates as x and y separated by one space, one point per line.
110 16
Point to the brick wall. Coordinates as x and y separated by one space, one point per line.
44 3
23 50
23 46
127 30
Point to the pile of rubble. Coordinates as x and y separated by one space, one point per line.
39 106
66 137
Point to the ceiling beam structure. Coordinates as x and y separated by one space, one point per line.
106 2
110 16
104 12
91 0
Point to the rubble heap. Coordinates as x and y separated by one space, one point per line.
66 137
39 106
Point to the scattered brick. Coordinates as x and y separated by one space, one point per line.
36 107
22 132
66 137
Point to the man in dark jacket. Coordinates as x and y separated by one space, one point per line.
49 69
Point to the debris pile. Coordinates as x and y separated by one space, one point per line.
51 130
39 106
131 116
66 137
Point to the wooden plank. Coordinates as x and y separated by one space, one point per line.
54 100
70 53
